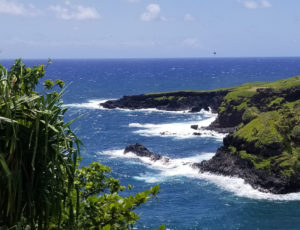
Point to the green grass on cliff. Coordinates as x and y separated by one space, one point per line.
262 130
271 120
274 120
278 121
285 83
164 98
238 98
249 87
186 91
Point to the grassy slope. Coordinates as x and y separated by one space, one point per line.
277 121
245 90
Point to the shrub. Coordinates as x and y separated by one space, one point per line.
249 114
41 186
295 134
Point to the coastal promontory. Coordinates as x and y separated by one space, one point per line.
263 121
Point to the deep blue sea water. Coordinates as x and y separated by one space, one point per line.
188 200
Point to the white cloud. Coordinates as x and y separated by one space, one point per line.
266 4
15 8
189 18
251 4
12 8
192 42
76 12
152 13
254 4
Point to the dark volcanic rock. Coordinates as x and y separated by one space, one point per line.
229 119
142 151
260 160
218 129
197 134
197 109
194 127
177 101
230 164
272 149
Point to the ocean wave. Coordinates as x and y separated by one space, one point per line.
180 130
90 104
151 110
178 167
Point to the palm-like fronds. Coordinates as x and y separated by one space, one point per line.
37 156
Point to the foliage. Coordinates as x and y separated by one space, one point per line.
250 114
262 130
37 149
296 133
276 103
41 186
267 117
279 125
164 98
100 205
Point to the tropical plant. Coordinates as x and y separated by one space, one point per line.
100 206
41 186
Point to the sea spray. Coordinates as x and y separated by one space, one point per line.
183 167
180 129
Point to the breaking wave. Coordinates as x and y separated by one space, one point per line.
90 104
180 129
169 168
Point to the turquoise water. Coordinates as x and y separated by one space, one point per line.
188 200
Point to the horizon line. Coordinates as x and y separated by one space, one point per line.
146 58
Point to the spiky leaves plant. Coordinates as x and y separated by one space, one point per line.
41 186
37 153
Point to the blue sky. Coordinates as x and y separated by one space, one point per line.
148 28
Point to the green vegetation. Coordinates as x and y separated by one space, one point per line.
276 103
250 114
41 184
267 117
186 91
247 89
169 98
164 98
295 134
261 130
270 121
259 162
284 84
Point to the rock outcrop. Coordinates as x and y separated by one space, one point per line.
173 101
263 122
227 163
142 151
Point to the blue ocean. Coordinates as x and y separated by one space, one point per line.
188 199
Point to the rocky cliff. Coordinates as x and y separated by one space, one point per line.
192 101
264 145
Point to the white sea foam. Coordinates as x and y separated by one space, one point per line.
187 112
90 104
242 189
180 129
153 110
174 168
176 130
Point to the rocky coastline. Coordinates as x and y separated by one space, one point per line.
263 122
173 101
